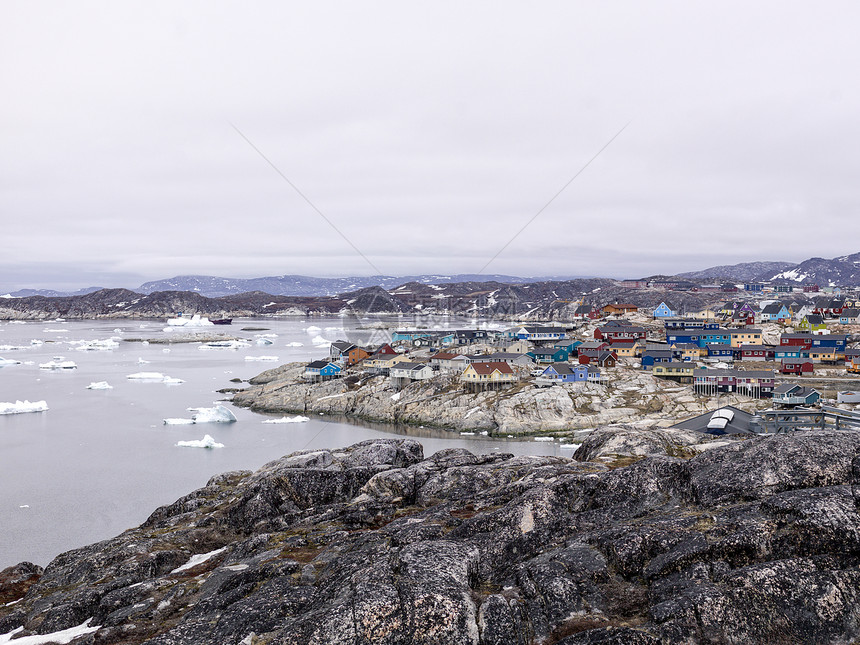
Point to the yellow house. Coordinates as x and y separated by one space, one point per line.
689 352
674 369
746 337
489 375
384 363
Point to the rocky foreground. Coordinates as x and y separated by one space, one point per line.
752 542
628 396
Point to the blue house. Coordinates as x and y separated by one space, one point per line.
566 373
787 351
656 356
549 354
723 351
321 370
568 345
665 310
691 336
715 337
837 341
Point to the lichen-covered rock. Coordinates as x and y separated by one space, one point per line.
754 542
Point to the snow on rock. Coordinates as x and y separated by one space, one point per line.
100 385
200 558
296 419
19 407
62 637
206 442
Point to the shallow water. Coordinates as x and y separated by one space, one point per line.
100 461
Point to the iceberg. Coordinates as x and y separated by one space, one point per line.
319 341
94 345
58 364
218 414
261 358
178 422
8 361
100 385
206 442
296 419
20 407
194 321
264 341
153 377
294 344
313 329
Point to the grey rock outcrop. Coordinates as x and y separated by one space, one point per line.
754 542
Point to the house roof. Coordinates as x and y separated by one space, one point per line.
444 356
317 364
565 368
814 319
550 351
411 366
491 366
795 361
773 308
342 345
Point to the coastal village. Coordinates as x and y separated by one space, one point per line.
759 351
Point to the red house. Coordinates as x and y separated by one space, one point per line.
799 366
799 339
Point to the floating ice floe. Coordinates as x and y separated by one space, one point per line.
37 342
206 442
10 348
261 358
55 331
100 385
218 414
194 321
294 344
319 341
543 439
58 364
265 335
296 419
313 329
142 361
20 407
225 344
62 637
200 558
154 377
94 345
8 361
262 342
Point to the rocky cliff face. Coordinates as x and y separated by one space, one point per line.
755 542
629 396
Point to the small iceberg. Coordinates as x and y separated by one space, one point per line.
319 341
206 442
296 419
20 407
313 329
154 377
262 342
10 348
294 344
94 345
8 361
194 321
100 385
261 358
543 439
218 414
58 364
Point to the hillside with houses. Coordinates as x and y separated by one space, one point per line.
619 363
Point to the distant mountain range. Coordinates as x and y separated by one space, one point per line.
842 271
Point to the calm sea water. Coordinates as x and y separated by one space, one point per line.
100 461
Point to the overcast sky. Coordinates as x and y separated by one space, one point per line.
427 134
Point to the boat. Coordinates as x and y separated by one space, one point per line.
221 321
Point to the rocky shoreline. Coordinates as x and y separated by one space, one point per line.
756 541
629 396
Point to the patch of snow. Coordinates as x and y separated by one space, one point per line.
206 442
200 558
100 385
62 637
395 397
296 419
20 407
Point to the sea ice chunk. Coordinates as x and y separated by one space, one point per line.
153 377
296 419
58 364
218 414
100 385
206 442
194 321
19 407
261 358
8 361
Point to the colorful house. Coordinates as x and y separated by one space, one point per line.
489 375
654 356
812 323
798 366
755 383
683 372
565 373
665 310
321 371
748 336
620 309
775 312
549 354
720 351
791 394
